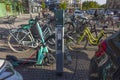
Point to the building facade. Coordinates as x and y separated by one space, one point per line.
113 4
10 7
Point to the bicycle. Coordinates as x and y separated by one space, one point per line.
25 37
74 27
110 22
68 37
86 36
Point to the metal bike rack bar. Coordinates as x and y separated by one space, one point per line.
59 31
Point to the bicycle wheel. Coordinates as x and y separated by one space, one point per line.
50 42
73 42
70 44
69 28
51 34
49 59
15 45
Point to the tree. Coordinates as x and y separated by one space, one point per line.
43 5
103 6
90 4
63 5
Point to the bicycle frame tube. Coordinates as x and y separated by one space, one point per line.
101 34
41 33
93 40
43 50
17 39
81 37
41 54
47 32
90 35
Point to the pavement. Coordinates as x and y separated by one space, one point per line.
77 70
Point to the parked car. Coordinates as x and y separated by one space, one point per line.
100 11
7 72
108 12
117 17
105 64
90 12
78 13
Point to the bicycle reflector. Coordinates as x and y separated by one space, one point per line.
101 49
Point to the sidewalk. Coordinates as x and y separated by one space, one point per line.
77 70
22 19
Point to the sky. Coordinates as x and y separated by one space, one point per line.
98 1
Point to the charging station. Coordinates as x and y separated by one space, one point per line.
59 31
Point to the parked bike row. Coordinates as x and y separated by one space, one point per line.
79 31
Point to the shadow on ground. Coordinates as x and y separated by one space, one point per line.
77 70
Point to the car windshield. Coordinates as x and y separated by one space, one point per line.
78 12
7 72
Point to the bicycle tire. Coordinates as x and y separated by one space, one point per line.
49 59
51 33
69 28
15 46
72 43
50 42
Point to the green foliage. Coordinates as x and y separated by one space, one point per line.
103 6
5 1
43 5
63 5
1 1
89 4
